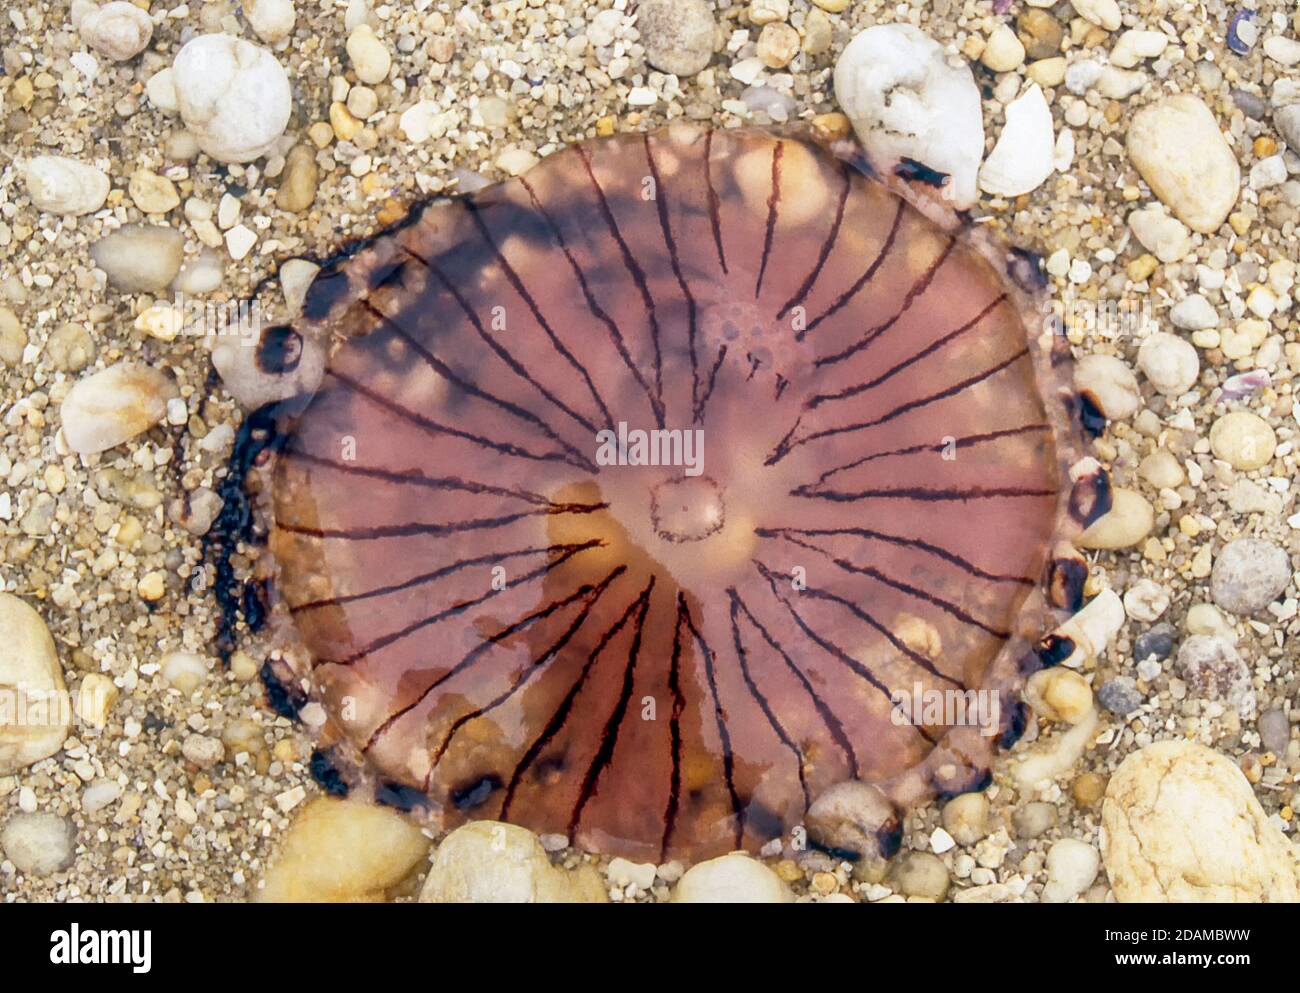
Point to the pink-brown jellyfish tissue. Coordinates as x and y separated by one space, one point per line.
649 495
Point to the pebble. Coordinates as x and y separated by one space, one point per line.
1214 671
299 181
678 35
491 862
1033 820
152 193
734 878
140 258
99 794
778 44
1120 695
118 30
296 277
1287 120
1024 155
515 161
1200 189
271 20
1275 730
1110 384
1165 237
38 844
370 57
64 186
114 405
95 700
922 875
338 851
70 347
1071 867
1244 440
1103 13
623 873
1282 49
1193 313
13 338
1128 521
966 818
1146 600
202 750
1182 825
34 724
1135 45
183 671
1059 694
854 816
905 100
1003 51
1248 575
234 96
1170 363
1041 33
1120 84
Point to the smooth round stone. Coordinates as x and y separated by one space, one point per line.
1193 313
1111 385
1162 470
64 186
1071 867
1004 51
233 96
271 20
152 193
1200 189
1059 694
299 181
119 30
966 817
338 851
1213 670
734 878
35 723
1243 440
140 258
1129 520
491 862
923 875
1169 363
854 816
678 35
1248 575
1103 13
1033 819
112 406
1182 825
38 844
370 57
1146 600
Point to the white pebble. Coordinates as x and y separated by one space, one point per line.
271 20
37 714
119 30
370 57
114 405
65 186
233 95
904 99
1170 363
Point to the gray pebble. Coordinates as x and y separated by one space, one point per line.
1213 670
1156 642
1120 695
1275 731
1033 819
1248 575
677 34
853 816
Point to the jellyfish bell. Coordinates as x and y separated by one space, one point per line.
636 488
